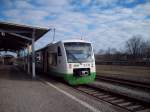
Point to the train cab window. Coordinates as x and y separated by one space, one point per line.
59 51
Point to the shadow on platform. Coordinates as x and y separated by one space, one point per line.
12 72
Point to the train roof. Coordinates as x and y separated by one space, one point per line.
64 41
75 40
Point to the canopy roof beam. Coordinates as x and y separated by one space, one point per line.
14 31
21 36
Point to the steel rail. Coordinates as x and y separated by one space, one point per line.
125 82
124 102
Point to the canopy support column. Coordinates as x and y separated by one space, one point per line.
28 59
3 60
24 66
33 54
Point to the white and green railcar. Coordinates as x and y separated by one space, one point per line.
73 60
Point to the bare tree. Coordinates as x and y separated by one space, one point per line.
146 50
101 51
135 52
134 46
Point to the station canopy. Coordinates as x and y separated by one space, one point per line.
14 37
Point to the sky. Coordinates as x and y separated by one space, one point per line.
106 23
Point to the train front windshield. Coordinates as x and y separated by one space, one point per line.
78 52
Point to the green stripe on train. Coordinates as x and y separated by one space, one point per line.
72 80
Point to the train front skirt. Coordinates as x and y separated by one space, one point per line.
74 80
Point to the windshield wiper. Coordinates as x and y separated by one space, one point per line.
74 57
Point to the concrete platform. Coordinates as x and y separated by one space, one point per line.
19 93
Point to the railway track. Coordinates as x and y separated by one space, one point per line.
120 101
131 83
126 103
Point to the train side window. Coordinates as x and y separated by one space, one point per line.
52 59
37 58
59 51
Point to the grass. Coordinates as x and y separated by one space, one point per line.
124 71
